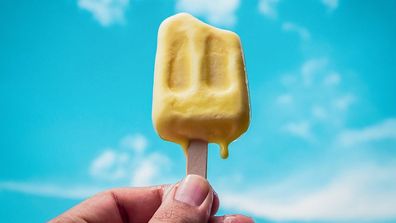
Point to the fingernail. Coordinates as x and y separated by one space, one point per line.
192 190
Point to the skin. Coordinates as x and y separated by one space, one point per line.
149 204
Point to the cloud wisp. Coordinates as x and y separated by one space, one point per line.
106 12
357 194
380 131
137 142
50 189
343 102
331 5
302 32
268 8
300 129
312 99
332 79
311 68
218 12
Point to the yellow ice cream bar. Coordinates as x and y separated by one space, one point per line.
200 85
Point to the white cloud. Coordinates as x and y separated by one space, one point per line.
137 142
302 32
357 194
49 189
268 8
332 79
131 164
379 131
109 165
106 12
330 4
344 102
149 169
217 12
311 67
300 129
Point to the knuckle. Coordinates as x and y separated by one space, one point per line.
104 194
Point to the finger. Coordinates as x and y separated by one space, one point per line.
215 204
231 219
190 201
117 205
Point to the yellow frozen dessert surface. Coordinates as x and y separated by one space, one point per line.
200 86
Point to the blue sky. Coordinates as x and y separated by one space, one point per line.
75 102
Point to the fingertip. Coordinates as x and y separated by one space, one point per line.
193 190
191 200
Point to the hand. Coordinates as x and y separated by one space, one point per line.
190 201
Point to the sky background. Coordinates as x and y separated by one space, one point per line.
76 82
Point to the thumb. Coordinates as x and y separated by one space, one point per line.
189 202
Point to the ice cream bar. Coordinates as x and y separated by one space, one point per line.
200 85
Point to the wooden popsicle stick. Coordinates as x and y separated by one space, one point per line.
197 157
